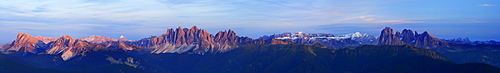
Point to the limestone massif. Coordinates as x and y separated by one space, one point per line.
24 43
329 40
199 41
97 39
177 40
387 37
195 40
424 40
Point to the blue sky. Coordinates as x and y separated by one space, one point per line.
135 19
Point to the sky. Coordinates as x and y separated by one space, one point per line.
135 19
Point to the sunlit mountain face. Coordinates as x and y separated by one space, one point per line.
249 36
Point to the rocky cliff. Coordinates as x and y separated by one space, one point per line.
387 37
24 43
424 40
46 40
199 41
97 39
70 47
192 39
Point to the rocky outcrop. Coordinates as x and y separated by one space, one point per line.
195 40
341 41
268 41
177 40
70 47
121 46
122 38
46 40
467 41
426 40
407 36
387 37
24 43
97 39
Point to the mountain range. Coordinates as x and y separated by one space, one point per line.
177 40
196 50
387 37
467 41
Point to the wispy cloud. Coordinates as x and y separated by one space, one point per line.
397 21
486 5
364 18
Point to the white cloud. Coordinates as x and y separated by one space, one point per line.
486 5
364 18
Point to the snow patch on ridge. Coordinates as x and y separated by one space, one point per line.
303 35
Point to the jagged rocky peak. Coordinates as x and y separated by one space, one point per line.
67 37
61 44
407 36
24 43
387 37
24 37
183 36
300 35
269 41
226 36
427 40
46 40
193 39
97 39
194 28
398 34
122 38
69 47
64 41
427 34
462 41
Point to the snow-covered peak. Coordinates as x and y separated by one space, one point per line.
307 36
122 38
353 35
300 32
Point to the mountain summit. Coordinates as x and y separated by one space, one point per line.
24 42
387 37
178 40
424 40
195 40
199 41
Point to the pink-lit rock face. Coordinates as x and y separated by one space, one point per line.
46 40
197 40
97 39
177 40
122 38
24 42
387 37
424 40
70 47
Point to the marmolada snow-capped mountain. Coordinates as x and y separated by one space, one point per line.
196 50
